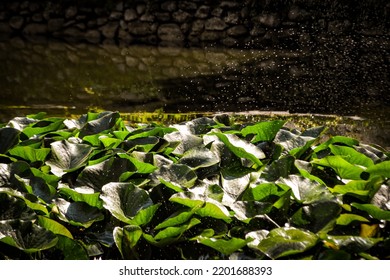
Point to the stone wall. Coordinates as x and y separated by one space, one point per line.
232 23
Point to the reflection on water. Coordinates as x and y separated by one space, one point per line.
345 78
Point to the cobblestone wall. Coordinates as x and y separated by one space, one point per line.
232 23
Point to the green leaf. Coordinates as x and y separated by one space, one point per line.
29 154
126 240
177 218
245 210
210 208
199 157
9 137
78 213
353 244
281 242
110 170
380 169
124 200
82 194
342 167
179 175
224 246
67 156
241 148
35 205
351 155
99 123
43 127
346 219
27 236
373 210
263 131
294 144
71 249
305 190
144 216
141 167
176 231
263 192
54 226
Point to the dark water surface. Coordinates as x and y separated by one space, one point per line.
347 79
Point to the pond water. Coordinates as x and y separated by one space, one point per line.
348 79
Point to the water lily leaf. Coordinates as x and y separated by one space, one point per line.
54 226
27 236
179 175
319 216
141 167
305 190
110 170
29 154
210 208
82 194
12 208
346 219
342 167
8 172
71 249
9 137
44 127
67 156
241 148
294 144
278 168
38 187
373 210
124 200
176 231
144 216
177 218
263 192
281 242
30 201
354 244
263 131
199 157
103 121
78 213
224 246
109 142
358 188
182 141
379 169
245 210
351 155
126 240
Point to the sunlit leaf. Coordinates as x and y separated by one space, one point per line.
346 219
373 210
67 156
54 226
305 190
210 208
263 131
342 167
198 157
351 155
78 213
99 123
224 246
241 148
124 200
281 242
